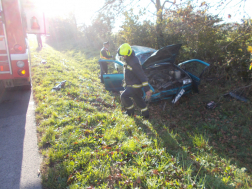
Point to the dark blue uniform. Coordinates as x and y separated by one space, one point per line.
104 54
134 80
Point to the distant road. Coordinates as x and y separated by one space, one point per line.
19 157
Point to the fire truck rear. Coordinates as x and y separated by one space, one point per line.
14 47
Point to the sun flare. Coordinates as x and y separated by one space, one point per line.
54 8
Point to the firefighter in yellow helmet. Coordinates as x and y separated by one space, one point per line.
134 81
104 54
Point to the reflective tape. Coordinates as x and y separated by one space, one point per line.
145 83
102 57
132 106
128 67
145 109
137 86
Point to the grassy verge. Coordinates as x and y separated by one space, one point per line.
87 142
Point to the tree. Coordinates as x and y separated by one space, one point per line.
99 31
117 7
137 33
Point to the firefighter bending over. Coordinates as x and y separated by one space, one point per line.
134 80
104 54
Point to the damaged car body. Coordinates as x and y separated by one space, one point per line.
166 79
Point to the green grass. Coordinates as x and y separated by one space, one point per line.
86 141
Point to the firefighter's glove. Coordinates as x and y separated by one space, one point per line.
148 95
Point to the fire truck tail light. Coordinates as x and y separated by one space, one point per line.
21 72
20 64
18 48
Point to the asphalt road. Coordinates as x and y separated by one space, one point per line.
19 156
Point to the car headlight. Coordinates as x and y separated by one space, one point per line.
20 64
187 81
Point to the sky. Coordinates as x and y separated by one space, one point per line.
85 10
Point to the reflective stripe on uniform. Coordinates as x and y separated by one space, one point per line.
135 86
129 67
145 109
145 83
102 57
132 106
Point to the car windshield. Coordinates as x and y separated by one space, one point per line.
141 49
143 53
143 57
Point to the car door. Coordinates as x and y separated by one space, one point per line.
113 81
195 68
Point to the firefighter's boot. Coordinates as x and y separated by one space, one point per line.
145 113
130 112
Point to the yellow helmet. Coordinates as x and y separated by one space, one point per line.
124 50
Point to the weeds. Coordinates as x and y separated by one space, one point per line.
87 141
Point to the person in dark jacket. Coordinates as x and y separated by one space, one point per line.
39 40
104 54
134 80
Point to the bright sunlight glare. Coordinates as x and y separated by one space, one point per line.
54 7
82 9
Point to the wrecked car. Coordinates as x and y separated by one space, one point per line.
167 80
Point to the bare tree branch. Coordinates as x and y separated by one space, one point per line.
153 2
165 3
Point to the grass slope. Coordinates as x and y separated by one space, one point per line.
87 142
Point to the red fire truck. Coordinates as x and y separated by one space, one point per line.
17 18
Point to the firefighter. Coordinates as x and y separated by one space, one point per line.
39 40
134 81
104 54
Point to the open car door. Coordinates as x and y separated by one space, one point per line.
195 68
113 81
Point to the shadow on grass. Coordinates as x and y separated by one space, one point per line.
199 173
227 127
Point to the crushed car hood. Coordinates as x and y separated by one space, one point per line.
165 54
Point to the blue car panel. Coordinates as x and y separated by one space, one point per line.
113 82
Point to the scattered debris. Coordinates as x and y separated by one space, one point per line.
43 61
211 105
59 86
238 97
181 92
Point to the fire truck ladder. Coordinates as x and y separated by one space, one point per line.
4 46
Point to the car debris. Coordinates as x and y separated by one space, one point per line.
211 105
43 61
59 86
236 96
181 92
